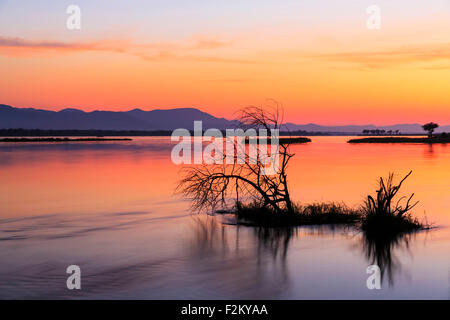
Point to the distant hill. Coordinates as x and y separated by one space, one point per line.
137 119
29 118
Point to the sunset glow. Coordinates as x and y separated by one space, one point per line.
225 159
318 58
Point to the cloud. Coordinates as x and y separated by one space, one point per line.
426 53
148 51
170 56
18 42
22 47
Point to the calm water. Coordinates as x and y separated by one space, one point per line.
109 207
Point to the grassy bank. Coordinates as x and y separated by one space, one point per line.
328 213
294 140
433 140
313 214
282 140
61 139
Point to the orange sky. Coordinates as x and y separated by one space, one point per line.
327 70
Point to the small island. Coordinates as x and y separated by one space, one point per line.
62 139
431 139
282 140
293 140
434 140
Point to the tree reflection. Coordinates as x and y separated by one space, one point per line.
212 234
380 250
242 261
275 240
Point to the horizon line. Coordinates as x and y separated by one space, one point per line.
198 109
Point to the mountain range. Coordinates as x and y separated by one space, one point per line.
137 119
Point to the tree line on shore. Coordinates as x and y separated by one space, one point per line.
428 127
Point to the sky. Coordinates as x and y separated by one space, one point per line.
317 58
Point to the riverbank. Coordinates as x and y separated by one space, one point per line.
401 140
283 140
62 139
312 214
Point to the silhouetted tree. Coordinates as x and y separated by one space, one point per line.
209 185
430 127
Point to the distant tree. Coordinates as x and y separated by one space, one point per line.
397 132
365 132
430 127
389 132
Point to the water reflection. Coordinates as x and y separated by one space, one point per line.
430 152
211 233
213 236
275 240
74 152
134 255
257 255
381 251
228 257
110 209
